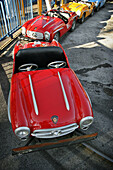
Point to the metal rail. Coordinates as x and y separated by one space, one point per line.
98 152
101 154
14 13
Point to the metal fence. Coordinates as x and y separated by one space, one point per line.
13 13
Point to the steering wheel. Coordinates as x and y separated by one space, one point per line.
28 67
57 64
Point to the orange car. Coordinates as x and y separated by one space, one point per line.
83 8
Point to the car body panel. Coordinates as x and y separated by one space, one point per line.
84 8
49 94
49 23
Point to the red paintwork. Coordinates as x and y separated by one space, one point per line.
52 27
48 94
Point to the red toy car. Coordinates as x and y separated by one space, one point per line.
46 98
53 24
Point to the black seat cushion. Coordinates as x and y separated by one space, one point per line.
41 56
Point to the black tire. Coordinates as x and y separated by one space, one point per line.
92 13
104 5
82 19
73 25
57 36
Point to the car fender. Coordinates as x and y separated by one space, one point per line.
59 29
17 114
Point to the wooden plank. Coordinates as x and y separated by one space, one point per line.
50 145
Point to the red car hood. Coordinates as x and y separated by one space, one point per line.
43 22
49 97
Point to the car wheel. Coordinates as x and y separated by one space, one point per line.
57 36
104 4
73 25
92 13
82 19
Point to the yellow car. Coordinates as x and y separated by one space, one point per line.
83 8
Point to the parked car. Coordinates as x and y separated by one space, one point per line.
51 25
83 8
98 3
46 99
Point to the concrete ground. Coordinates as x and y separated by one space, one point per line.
90 52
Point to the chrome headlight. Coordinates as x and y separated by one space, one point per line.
47 36
86 122
78 13
23 31
22 132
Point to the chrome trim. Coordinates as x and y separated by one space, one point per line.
74 17
18 43
48 23
62 127
58 30
88 98
33 95
55 132
22 129
9 116
36 43
64 93
55 41
69 4
23 31
13 54
35 21
87 10
46 32
78 6
85 127
35 35
61 25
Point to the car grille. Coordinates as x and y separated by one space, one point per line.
34 35
55 132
